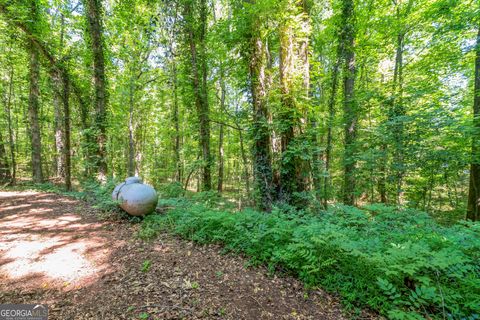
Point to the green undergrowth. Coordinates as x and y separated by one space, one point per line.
400 263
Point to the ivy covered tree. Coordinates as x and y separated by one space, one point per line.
473 206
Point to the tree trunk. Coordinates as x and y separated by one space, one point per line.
382 174
131 140
198 57
398 113
349 106
288 116
220 137
309 170
331 116
8 111
61 99
473 207
221 157
87 143
66 134
58 124
295 171
262 158
288 113
4 166
176 123
33 106
93 12
246 174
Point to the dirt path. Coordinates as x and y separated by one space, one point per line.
55 250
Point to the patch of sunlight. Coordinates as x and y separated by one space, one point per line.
57 258
18 206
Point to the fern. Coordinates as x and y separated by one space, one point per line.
396 261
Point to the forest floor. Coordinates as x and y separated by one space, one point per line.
58 251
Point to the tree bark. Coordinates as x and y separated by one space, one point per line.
262 158
398 112
294 173
131 140
58 124
61 99
288 116
198 57
177 138
93 12
221 159
176 124
33 105
473 207
8 112
88 140
308 171
4 166
349 106
382 174
246 174
62 127
331 116
66 126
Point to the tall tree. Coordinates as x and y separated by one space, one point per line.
58 111
93 11
8 112
196 29
58 124
294 170
262 157
473 206
172 52
331 115
61 104
221 129
176 123
67 172
350 116
397 110
221 157
4 166
131 129
33 104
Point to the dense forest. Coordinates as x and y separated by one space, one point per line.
295 102
337 141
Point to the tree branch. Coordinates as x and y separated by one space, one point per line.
43 48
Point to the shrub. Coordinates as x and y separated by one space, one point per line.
100 195
171 190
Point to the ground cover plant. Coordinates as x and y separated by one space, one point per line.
399 262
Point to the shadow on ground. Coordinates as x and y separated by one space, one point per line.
44 242
55 250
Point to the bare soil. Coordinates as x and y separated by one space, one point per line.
56 250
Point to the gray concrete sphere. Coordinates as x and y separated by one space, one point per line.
135 198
